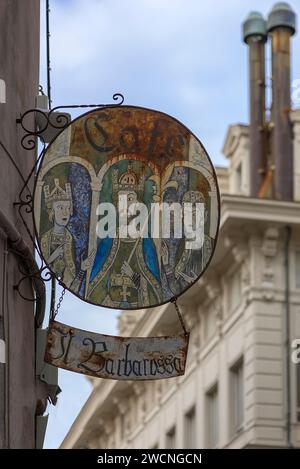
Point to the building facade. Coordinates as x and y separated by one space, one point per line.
234 392
241 388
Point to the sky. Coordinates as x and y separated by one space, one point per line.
182 57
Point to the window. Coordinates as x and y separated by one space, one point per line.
237 396
234 290
212 417
190 429
171 439
297 269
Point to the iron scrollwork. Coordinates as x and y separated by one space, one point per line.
32 138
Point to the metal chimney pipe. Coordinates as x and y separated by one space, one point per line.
255 35
281 26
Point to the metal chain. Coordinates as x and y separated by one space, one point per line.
54 312
179 316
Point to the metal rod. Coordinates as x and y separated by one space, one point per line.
179 316
48 53
53 296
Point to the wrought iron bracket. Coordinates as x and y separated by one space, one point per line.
39 275
47 124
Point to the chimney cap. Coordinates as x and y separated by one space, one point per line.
254 25
282 15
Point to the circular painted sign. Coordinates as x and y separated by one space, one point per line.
126 207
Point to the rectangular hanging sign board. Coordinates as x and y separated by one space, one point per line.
121 358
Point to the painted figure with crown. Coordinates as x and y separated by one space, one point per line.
57 243
125 273
192 262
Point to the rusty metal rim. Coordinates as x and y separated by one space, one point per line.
218 198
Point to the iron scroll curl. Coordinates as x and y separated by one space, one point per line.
33 140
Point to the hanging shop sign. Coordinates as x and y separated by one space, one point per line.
126 208
126 212
105 356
